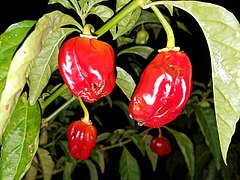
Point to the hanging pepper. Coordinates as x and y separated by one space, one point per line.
163 90
87 66
81 139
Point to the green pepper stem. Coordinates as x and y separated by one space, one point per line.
120 15
55 113
88 29
85 111
51 98
166 26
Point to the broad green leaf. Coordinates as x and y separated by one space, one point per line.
92 169
64 3
20 140
143 51
33 170
207 123
186 146
46 162
139 142
64 147
103 12
85 7
9 42
153 157
222 32
147 17
46 63
129 167
121 3
21 63
98 155
126 24
124 40
68 170
125 82
103 136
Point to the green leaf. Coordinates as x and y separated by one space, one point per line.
102 11
20 140
222 32
126 24
64 147
86 7
129 167
153 157
103 136
98 155
186 146
207 123
65 3
23 59
92 169
45 63
31 174
68 170
9 42
46 162
143 51
125 82
139 142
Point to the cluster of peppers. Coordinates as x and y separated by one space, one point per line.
87 66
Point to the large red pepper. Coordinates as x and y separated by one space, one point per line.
87 66
81 139
163 90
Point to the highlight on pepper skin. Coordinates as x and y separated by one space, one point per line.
87 66
163 91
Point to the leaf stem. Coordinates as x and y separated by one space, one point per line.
51 98
166 26
120 15
55 113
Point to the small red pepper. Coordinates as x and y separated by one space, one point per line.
81 139
87 66
163 90
161 146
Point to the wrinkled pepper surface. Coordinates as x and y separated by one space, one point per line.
81 139
163 90
87 66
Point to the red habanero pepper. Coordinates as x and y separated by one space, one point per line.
81 139
163 91
87 66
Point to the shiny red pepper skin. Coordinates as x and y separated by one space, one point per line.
161 146
87 66
163 90
81 139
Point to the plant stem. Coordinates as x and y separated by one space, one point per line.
166 26
120 144
51 98
85 111
120 15
55 113
88 29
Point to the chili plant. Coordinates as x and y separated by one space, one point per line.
80 88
